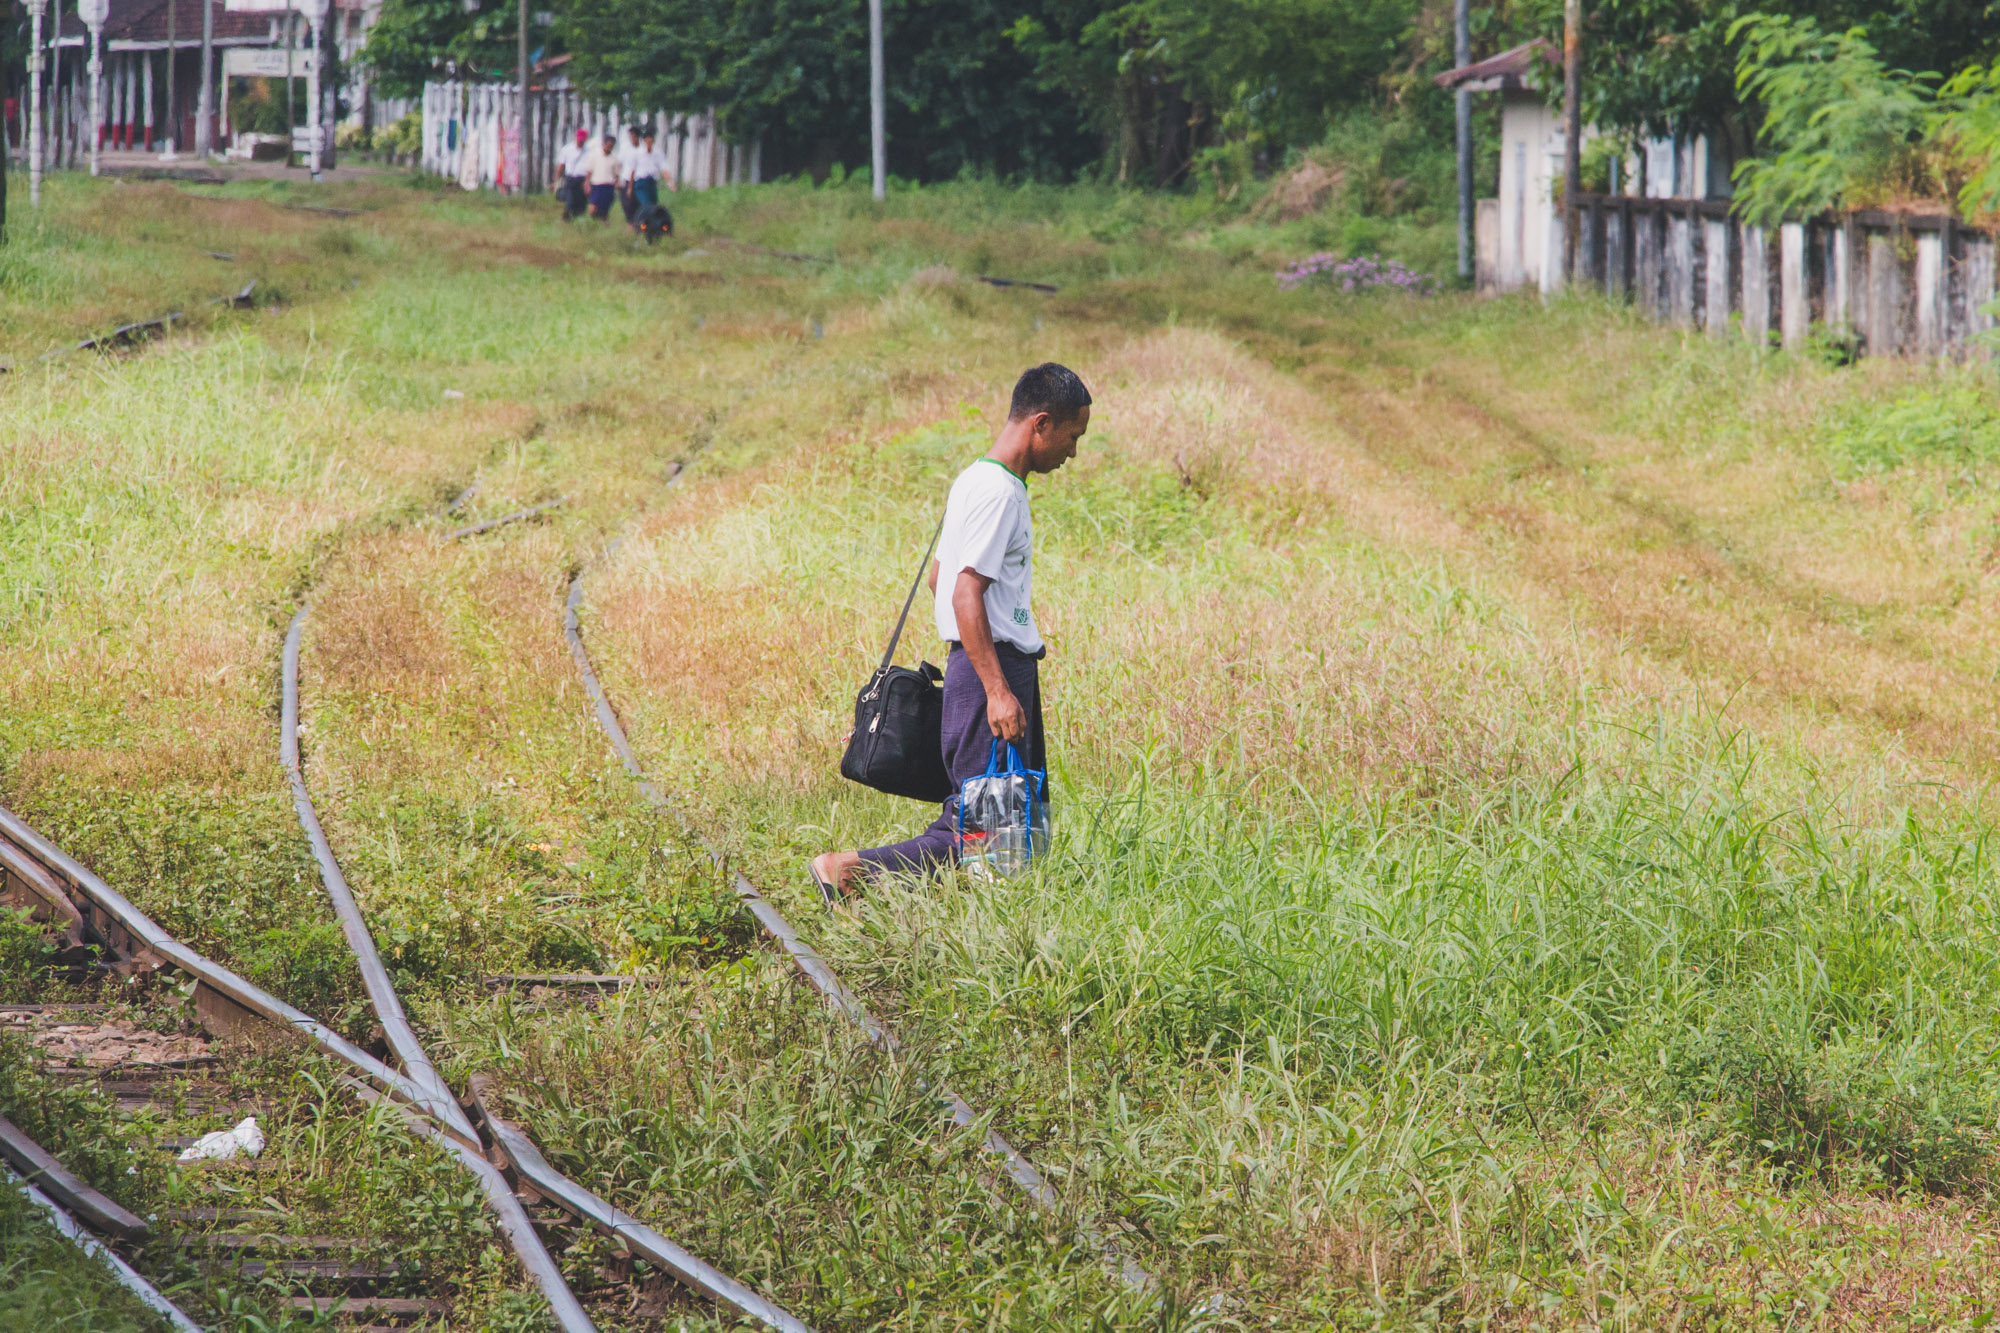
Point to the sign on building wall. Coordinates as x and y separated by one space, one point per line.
249 62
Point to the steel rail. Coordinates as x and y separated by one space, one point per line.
374 976
1019 1169
25 868
528 1163
515 517
1046 287
253 998
120 1270
543 1178
38 1166
441 1105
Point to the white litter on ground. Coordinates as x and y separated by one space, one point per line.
245 1140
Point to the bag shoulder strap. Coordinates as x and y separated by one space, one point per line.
896 636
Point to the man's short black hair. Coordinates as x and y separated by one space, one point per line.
1050 388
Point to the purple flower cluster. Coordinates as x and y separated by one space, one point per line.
1355 275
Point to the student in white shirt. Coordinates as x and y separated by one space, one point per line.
628 159
649 169
569 175
982 583
600 173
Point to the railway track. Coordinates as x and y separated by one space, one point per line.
355 1273
358 1276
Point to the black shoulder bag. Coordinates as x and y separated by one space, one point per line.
897 745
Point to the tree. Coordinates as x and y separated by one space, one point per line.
1165 76
417 40
795 74
1669 66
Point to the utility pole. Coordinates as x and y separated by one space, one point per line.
205 102
878 109
172 145
315 125
93 13
57 132
521 173
36 8
1462 51
1572 130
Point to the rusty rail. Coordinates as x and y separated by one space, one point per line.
1047 288
40 1169
527 1162
218 987
530 512
18 864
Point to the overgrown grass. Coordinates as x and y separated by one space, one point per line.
1522 853
47 1283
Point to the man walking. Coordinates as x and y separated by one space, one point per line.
981 582
629 153
569 176
600 173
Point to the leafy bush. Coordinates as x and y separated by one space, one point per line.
1839 126
1805 1103
25 949
1953 424
405 137
310 965
263 108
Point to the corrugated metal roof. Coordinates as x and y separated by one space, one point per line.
1509 69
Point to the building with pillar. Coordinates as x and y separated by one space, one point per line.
140 38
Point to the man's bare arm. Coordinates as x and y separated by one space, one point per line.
1004 714
933 580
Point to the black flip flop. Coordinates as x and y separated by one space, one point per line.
827 891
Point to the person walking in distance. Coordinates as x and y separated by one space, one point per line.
647 169
600 172
569 175
981 581
629 154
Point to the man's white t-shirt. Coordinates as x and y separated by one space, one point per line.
987 530
600 167
628 154
572 159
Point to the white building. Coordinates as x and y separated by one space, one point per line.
1519 230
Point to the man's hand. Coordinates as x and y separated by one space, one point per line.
1006 717
1004 714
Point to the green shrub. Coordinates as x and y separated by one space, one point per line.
1804 1103
310 965
25 949
406 136
1840 127
1956 424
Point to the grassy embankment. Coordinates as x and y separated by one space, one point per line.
1520 771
